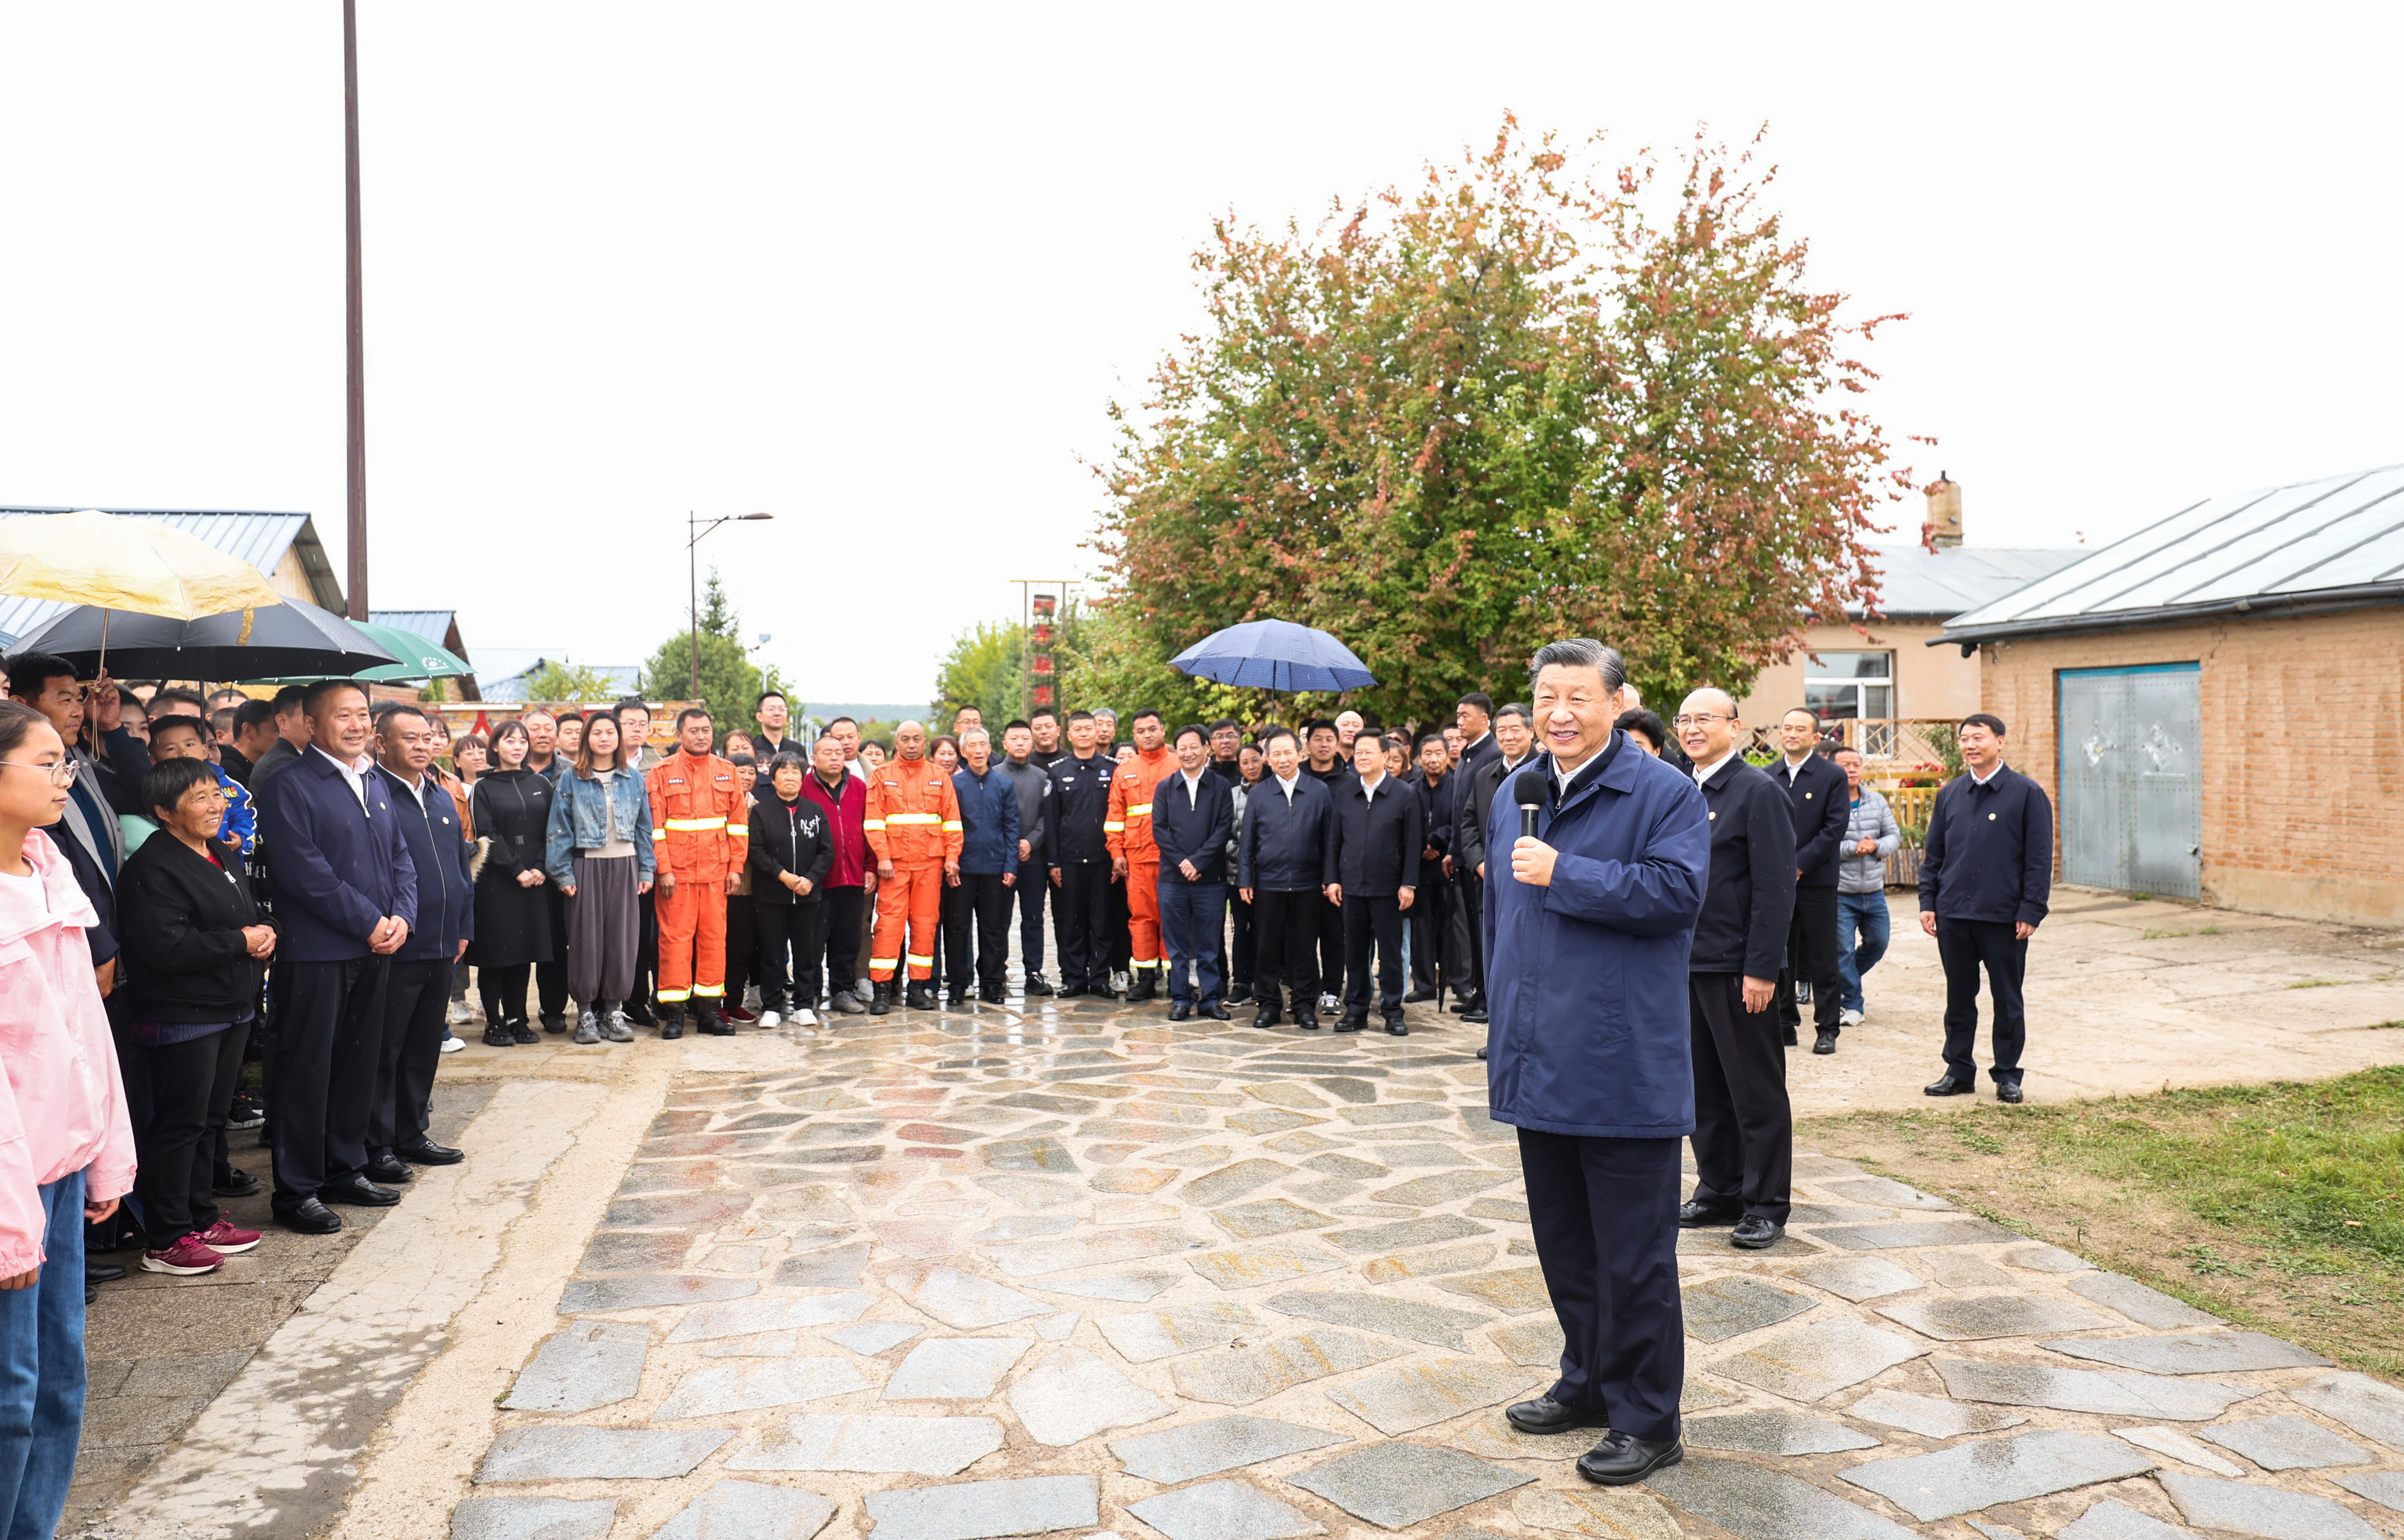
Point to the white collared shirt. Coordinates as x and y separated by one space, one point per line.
1792 767
1288 784
1988 775
1193 785
1703 772
1369 787
355 775
416 788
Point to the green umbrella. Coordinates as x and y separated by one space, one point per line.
420 659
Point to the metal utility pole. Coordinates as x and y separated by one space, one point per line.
355 385
692 577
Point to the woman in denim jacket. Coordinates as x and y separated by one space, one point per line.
599 853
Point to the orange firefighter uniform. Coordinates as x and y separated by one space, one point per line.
1127 832
700 832
913 821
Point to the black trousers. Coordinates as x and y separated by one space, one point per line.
1812 954
175 1148
986 902
1082 915
1285 945
329 1025
1235 955
646 951
1965 946
800 930
742 950
414 1005
1034 882
1380 919
1744 1127
551 978
1330 921
1605 1215
1122 939
1468 897
504 992
1431 921
845 924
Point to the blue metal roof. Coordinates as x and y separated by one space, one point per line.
259 539
1917 583
433 624
2335 543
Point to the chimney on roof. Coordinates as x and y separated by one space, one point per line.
1943 530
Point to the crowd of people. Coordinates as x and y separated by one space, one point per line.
189 885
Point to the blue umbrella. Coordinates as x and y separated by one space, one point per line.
1274 655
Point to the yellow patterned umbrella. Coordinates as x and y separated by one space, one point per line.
145 566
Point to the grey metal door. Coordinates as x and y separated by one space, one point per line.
2132 779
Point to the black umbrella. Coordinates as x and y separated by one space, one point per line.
287 638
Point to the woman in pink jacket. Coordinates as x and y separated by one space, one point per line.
66 1147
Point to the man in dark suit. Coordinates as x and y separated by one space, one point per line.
1379 840
1821 804
1435 958
1464 896
445 921
1986 879
1515 738
1744 1127
1193 813
345 889
1285 868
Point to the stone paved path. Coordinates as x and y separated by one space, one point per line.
1077 1270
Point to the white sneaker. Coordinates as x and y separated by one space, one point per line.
769 1019
1118 984
461 1012
1329 1003
805 1018
1848 1018
453 1044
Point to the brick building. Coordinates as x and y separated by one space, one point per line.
2213 702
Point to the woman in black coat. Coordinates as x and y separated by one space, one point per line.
511 809
198 944
791 851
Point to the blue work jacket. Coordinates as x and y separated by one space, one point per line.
988 819
1586 977
1287 847
1193 827
1990 850
438 853
334 869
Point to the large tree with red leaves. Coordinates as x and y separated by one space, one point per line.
1524 400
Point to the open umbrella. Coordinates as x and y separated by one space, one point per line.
1274 655
420 659
145 566
291 638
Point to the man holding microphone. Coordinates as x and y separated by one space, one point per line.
1587 925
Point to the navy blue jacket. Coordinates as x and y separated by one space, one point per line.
1990 853
988 819
1436 803
1587 978
438 853
1193 826
1080 804
1750 898
1287 847
1821 803
1378 840
333 870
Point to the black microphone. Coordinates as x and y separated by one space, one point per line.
1530 788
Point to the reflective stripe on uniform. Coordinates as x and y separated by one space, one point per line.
1113 827
884 962
877 824
918 962
711 991
674 997
659 833
912 818
694 826
1141 810
739 830
951 826
1145 963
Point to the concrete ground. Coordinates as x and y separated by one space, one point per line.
1073 1267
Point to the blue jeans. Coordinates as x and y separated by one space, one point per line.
1193 915
42 1374
1864 914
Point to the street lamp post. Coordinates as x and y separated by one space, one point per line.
692 578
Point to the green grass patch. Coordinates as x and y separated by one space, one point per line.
2174 935
2315 984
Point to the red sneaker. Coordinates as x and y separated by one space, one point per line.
228 1239
737 1014
186 1257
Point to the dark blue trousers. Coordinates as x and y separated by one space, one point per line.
1192 918
42 1371
1034 881
1605 1213
330 1041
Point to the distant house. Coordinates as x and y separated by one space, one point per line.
283 546
2213 700
522 666
1891 672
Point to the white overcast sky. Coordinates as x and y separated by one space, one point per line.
877 270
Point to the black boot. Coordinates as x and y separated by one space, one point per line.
708 1023
920 996
671 1022
880 1000
1146 985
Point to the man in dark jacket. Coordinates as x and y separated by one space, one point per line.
291 736
1744 1128
989 837
1193 812
1986 877
1588 927
793 850
419 990
1379 837
1034 790
843 797
344 889
1434 959
1821 805
1465 902
1081 861
1285 869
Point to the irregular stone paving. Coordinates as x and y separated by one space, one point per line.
1077 1270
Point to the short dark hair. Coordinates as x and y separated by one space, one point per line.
317 695
941 739
1647 722
1222 724
29 672
742 762
1479 699
193 698
1376 740
250 714
1081 714
1274 733
634 702
837 721
378 711
221 720
502 731
1253 744
785 759
1521 710
400 709
1194 728
1316 725
200 729
1807 712
689 713
1147 711
1987 719
1017 721
291 698
1434 733
767 696
165 783
1038 712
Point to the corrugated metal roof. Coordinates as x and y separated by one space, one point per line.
433 624
1916 582
622 679
259 539
2330 543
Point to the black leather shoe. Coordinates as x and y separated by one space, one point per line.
309 1217
1790 1039
384 1167
1307 1017
1475 1017
1267 1015
957 1000
1752 1233
1352 1021
638 1014
1037 985
1418 996
1481 1050
359 1192
555 1021
1181 1011
427 1152
1706 1216
1217 1011
1397 1026
1620 1460
1827 1041
1545 1414
1948 1085
2008 1091
102 1272
243 1185
992 996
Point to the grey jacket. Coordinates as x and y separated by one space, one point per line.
1871 819
1034 788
